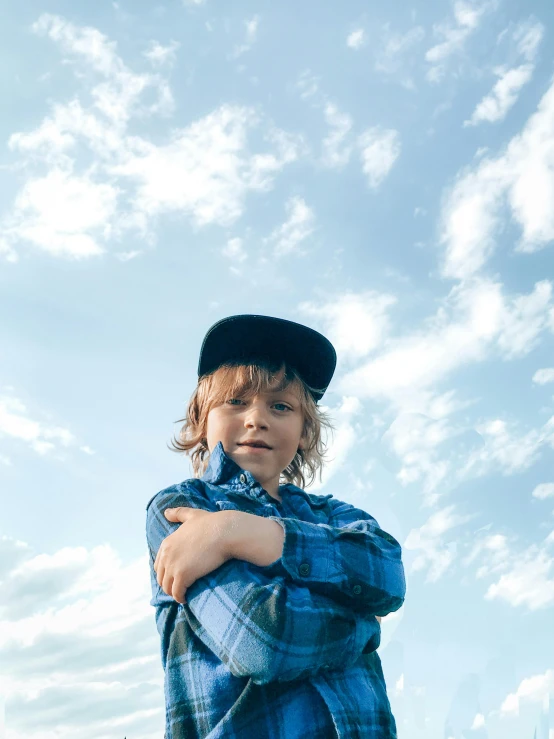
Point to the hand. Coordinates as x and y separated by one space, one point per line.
195 549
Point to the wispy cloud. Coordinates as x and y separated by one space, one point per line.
17 424
467 17
432 552
357 323
251 28
299 225
475 322
62 214
203 171
356 39
160 55
521 178
307 84
395 51
536 689
496 104
235 252
529 580
63 609
543 491
337 146
342 440
119 96
379 150
543 376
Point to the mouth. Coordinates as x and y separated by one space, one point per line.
255 447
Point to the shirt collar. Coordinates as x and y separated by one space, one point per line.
223 470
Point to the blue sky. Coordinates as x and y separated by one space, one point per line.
384 174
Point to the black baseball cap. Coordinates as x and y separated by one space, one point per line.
246 339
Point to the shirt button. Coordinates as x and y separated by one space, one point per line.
304 569
242 478
357 589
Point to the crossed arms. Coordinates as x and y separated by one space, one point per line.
314 607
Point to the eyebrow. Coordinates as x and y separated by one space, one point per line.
283 394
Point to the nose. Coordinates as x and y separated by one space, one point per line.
256 416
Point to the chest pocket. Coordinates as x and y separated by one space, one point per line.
227 505
246 505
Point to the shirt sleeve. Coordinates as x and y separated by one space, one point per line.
349 559
257 622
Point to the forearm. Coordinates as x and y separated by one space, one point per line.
270 630
252 538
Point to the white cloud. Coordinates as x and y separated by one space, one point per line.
523 321
118 97
6 250
356 39
16 423
251 33
299 225
522 178
336 153
505 450
522 578
342 441
57 137
528 36
356 324
417 448
544 376
307 84
394 47
380 148
535 689
495 554
234 250
467 17
494 106
544 490
76 629
527 582
160 55
478 722
63 215
474 321
427 541
203 172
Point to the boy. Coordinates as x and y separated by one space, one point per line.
267 597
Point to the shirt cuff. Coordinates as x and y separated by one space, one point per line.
305 556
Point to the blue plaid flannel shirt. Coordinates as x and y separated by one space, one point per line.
286 651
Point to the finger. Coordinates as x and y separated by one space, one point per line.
180 588
167 585
176 514
178 592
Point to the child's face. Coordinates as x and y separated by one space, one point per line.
273 417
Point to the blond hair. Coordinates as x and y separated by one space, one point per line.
246 380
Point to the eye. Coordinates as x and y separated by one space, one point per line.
288 408
230 400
